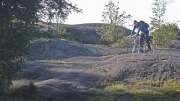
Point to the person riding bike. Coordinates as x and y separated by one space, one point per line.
141 27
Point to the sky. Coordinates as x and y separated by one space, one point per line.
139 9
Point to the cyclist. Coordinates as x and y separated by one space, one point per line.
141 27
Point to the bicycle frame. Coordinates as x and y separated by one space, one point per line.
136 44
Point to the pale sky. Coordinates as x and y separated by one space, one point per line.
139 9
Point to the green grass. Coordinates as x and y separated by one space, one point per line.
116 87
157 94
166 84
141 91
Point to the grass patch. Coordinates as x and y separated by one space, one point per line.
156 94
105 81
151 83
116 87
142 91
166 84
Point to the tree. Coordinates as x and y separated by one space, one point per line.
17 21
50 9
113 27
159 8
170 32
61 31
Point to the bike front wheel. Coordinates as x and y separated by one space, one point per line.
132 48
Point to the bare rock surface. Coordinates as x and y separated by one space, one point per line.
63 70
48 49
161 66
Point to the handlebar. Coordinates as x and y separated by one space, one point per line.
133 35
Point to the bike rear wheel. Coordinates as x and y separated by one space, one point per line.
152 49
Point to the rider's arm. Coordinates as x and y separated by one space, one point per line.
132 33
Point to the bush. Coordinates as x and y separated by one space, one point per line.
166 33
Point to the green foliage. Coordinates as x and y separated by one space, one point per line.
141 91
62 32
18 18
162 32
15 39
156 94
159 9
166 84
116 87
165 34
60 29
113 30
112 33
158 90
151 83
51 9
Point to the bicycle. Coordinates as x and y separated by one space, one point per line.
135 45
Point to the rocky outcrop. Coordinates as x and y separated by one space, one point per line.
59 67
47 49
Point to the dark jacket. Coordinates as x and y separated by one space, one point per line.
141 27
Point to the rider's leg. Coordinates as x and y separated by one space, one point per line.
147 40
141 40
